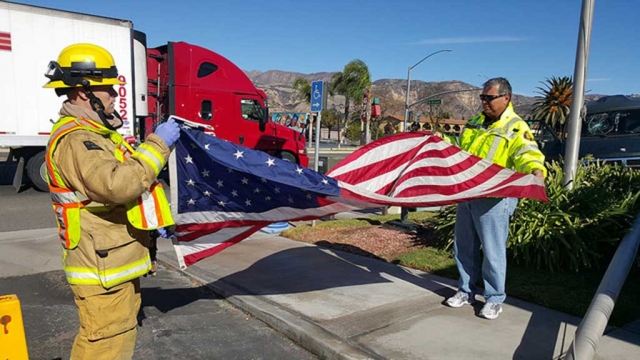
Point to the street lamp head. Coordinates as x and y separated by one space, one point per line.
428 56
406 104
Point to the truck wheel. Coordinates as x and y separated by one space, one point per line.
287 156
37 171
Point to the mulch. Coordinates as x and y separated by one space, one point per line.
383 242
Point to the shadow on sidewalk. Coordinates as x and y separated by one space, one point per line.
544 332
312 268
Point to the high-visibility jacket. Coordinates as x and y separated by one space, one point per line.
507 142
150 210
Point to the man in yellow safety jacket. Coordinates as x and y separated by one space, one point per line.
106 200
499 135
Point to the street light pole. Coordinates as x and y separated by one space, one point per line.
404 214
406 103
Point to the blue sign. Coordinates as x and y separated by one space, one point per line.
317 94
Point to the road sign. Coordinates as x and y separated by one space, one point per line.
434 102
317 96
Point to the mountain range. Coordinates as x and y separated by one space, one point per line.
460 100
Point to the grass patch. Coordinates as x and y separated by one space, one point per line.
568 292
416 217
431 260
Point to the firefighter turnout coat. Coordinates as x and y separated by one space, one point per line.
105 197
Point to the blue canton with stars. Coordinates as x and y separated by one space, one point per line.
217 175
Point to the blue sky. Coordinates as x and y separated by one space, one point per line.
525 41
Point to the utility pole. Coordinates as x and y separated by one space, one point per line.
572 148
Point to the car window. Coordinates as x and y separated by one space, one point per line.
617 122
632 122
251 109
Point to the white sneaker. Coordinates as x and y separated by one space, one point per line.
459 299
491 311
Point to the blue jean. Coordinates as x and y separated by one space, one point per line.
483 222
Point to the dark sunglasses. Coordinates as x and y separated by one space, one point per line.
490 98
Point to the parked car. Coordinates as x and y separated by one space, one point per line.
610 131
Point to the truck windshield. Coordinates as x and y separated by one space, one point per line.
617 122
251 109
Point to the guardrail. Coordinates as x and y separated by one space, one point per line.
595 320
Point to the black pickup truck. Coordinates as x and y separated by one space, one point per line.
610 131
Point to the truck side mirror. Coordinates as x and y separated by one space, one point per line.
265 118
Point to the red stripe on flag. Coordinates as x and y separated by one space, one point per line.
5 41
195 257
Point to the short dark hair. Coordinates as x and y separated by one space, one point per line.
503 85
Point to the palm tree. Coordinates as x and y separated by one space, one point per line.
302 88
353 82
554 105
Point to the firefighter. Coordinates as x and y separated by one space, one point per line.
106 200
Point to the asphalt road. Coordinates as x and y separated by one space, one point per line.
29 209
177 320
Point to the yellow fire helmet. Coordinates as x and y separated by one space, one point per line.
82 65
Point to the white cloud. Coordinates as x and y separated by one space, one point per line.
470 40
598 79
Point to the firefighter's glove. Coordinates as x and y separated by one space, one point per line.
163 233
166 234
169 132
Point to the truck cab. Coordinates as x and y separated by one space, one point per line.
202 86
610 132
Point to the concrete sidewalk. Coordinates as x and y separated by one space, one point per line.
343 306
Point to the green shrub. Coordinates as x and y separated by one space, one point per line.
577 229
353 132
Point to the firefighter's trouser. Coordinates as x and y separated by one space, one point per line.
108 321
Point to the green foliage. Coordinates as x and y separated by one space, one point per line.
353 131
444 115
554 105
352 82
431 260
376 130
577 229
329 119
302 88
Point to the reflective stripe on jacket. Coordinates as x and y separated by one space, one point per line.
507 142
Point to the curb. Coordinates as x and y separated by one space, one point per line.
300 329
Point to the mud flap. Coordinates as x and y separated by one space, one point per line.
17 177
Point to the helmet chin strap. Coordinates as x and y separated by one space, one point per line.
98 106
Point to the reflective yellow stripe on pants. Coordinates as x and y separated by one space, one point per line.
77 275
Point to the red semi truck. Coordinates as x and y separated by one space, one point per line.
177 78
200 85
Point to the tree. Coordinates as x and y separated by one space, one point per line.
353 131
329 120
554 105
302 87
389 105
353 82
444 115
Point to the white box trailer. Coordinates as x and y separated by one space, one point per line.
32 36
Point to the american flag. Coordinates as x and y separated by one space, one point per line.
226 192
5 41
